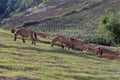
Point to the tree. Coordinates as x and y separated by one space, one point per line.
110 24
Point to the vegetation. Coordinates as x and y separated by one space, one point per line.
29 23
10 7
47 1
7 27
110 24
98 40
52 63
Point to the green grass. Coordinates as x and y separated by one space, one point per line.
52 63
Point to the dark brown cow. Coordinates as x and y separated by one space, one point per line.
64 41
25 33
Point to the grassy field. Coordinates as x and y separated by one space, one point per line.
43 62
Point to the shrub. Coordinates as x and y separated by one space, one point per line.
12 30
110 25
7 27
98 40
47 1
30 23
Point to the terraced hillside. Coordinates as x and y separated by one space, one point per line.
42 62
77 18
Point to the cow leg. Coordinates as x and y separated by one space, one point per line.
68 46
99 52
62 46
15 37
23 39
52 44
33 41
72 47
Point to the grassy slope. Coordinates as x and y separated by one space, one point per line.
47 63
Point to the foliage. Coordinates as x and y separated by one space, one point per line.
98 40
7 27
12 30
110 24
47 1
25 24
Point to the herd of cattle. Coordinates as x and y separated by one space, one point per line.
63 41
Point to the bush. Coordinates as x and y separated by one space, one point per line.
7 27
47 1
98 40
25 24
12 30
110 25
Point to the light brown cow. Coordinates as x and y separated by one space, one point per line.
25 33
94 49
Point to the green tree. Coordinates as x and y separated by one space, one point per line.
110 26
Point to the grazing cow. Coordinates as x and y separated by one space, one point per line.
64 41
25 33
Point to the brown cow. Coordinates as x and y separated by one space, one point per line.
64 41
25 33
79 44
94 49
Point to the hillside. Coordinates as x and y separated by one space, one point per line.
9 8
76 18
42 62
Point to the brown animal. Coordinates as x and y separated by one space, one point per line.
64 41
25 33
78 44
94 49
